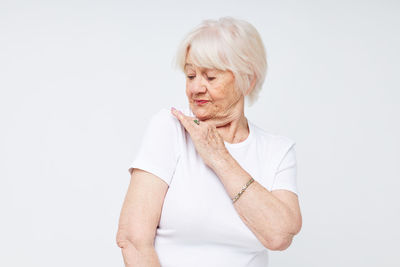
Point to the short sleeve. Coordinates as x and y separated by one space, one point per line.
286 174
159 150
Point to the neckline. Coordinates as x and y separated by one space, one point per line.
245 141
235 145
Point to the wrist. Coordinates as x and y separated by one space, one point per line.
223 163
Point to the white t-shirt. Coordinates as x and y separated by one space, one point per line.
199 225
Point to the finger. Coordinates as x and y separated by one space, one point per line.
186 121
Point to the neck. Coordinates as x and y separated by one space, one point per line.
233 125
235 131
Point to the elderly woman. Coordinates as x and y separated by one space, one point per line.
208 187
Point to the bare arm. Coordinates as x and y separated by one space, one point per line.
139 218
273 216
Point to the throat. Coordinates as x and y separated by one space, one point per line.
233 134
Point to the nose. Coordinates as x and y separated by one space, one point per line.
197 85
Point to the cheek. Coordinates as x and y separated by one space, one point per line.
231 91
187 90
221 93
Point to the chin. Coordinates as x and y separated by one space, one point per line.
199 112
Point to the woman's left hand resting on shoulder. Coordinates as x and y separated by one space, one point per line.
273 216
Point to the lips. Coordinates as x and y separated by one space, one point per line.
201 102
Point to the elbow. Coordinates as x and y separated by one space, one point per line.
122 240
283 241
128 238
279 243
297 225
123 243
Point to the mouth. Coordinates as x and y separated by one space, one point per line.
201 102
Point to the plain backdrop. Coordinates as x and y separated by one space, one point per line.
80 79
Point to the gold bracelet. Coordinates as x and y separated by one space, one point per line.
243 189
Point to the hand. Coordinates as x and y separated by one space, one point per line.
206 139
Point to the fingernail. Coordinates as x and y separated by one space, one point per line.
172 108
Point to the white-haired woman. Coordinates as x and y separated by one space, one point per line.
208 187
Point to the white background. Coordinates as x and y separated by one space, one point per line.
80 79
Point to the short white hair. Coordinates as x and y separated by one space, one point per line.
227 44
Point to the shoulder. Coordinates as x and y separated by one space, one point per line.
165 125
277 144
163 120
273 137
163 114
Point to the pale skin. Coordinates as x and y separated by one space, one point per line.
273 216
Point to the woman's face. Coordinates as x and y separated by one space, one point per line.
211 92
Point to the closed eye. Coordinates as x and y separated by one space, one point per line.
191 77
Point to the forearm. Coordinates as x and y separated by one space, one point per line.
139 256
266 216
